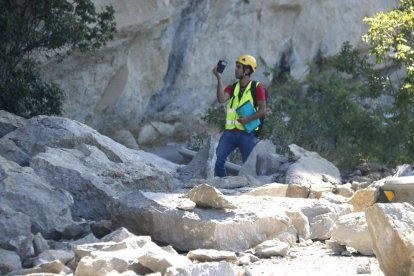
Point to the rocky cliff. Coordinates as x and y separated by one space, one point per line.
162 56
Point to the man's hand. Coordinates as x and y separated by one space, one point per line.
243 120
216 73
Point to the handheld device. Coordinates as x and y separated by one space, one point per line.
221 65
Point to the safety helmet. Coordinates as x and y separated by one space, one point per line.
248 60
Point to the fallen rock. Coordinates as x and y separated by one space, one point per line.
235 230
209 197
391 226
211 255
312 169
352 230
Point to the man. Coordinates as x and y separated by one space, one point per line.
235 135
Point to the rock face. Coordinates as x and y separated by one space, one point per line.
162 57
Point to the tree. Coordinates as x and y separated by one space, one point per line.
391 36
47 28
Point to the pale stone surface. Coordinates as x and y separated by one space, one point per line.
262 147
209 197
211 255
344 190
352 230
210 268
364 198
391 226
235 230
48 209
312 169
281 190
270 248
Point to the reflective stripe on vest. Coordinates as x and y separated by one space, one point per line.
234 103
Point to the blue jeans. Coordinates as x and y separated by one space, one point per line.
229 141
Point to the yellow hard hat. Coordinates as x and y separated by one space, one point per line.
248 60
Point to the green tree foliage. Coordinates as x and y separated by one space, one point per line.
391 37
30 29
339 115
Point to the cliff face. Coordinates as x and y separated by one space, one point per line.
159 65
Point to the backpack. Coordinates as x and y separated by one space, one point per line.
253 91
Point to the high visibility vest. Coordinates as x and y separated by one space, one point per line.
234 103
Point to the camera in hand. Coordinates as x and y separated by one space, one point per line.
221 65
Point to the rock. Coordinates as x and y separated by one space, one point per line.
271 163
313 170
391 226
209 197
12 225
271 248
211 268
283 190
218 229
202 165
363 199
335 247
39 244
125 138
250 166
9 122
211 255
55 267
137 253
344 190
352 230
51 255
9 261
47 207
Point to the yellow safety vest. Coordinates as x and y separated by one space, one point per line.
234 103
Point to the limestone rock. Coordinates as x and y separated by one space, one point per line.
211 255
47 207
234 230
210 268
391 226
202 165
270 248
12 224
363 199
352 230
9 122
250 166
313 170
209 197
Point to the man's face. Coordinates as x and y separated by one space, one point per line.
238 71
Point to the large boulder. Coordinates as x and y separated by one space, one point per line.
311 169
156 214
24 191
71 156
254 220
392 230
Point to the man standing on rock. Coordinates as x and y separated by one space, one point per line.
235 134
